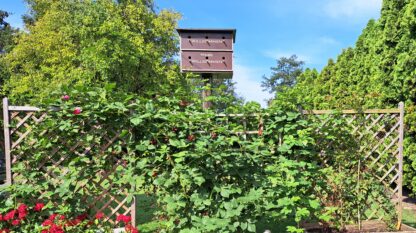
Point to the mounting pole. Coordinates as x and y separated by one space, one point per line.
206 92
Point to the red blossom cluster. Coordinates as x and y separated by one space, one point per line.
14 217
55 223
127 221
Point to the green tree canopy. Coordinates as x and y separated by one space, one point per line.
7 33
88 41
283 75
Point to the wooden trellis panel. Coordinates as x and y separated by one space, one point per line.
99 194
382 132
379 134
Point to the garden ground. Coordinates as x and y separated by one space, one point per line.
146 207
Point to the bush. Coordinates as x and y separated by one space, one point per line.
205 172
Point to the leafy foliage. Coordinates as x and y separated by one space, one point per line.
7 33
206 175
73 42
378 72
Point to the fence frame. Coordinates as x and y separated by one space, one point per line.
9 144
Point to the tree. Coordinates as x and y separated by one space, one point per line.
283 75
70 42
379 72
7 33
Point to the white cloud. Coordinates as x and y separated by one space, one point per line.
248 84
352 8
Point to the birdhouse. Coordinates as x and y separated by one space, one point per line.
207 51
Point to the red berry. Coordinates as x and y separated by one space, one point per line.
183 103
191 138
99 215
38 207
214 135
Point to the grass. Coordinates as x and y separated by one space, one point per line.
146 207
409 217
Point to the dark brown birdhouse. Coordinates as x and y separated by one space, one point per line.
207 51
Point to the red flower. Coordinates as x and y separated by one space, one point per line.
47 222
52 217
99 215
22 215
38 207
123 218
10 215
56 229
4 230
77 110
15 222
61 217
131 229
22 209
65 97
1 218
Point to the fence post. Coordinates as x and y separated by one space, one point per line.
400 183
6 125
133 211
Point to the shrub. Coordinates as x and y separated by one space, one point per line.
206 173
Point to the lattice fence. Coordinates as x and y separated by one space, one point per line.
378 132
102 194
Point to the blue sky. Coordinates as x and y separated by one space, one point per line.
315 30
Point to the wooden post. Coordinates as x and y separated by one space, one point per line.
400 183
6 124
207 91
133 211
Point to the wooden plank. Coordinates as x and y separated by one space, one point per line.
7 143
369 111
322 112
133 211
400 181
24 108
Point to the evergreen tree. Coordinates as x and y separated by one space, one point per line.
285 74
379 72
